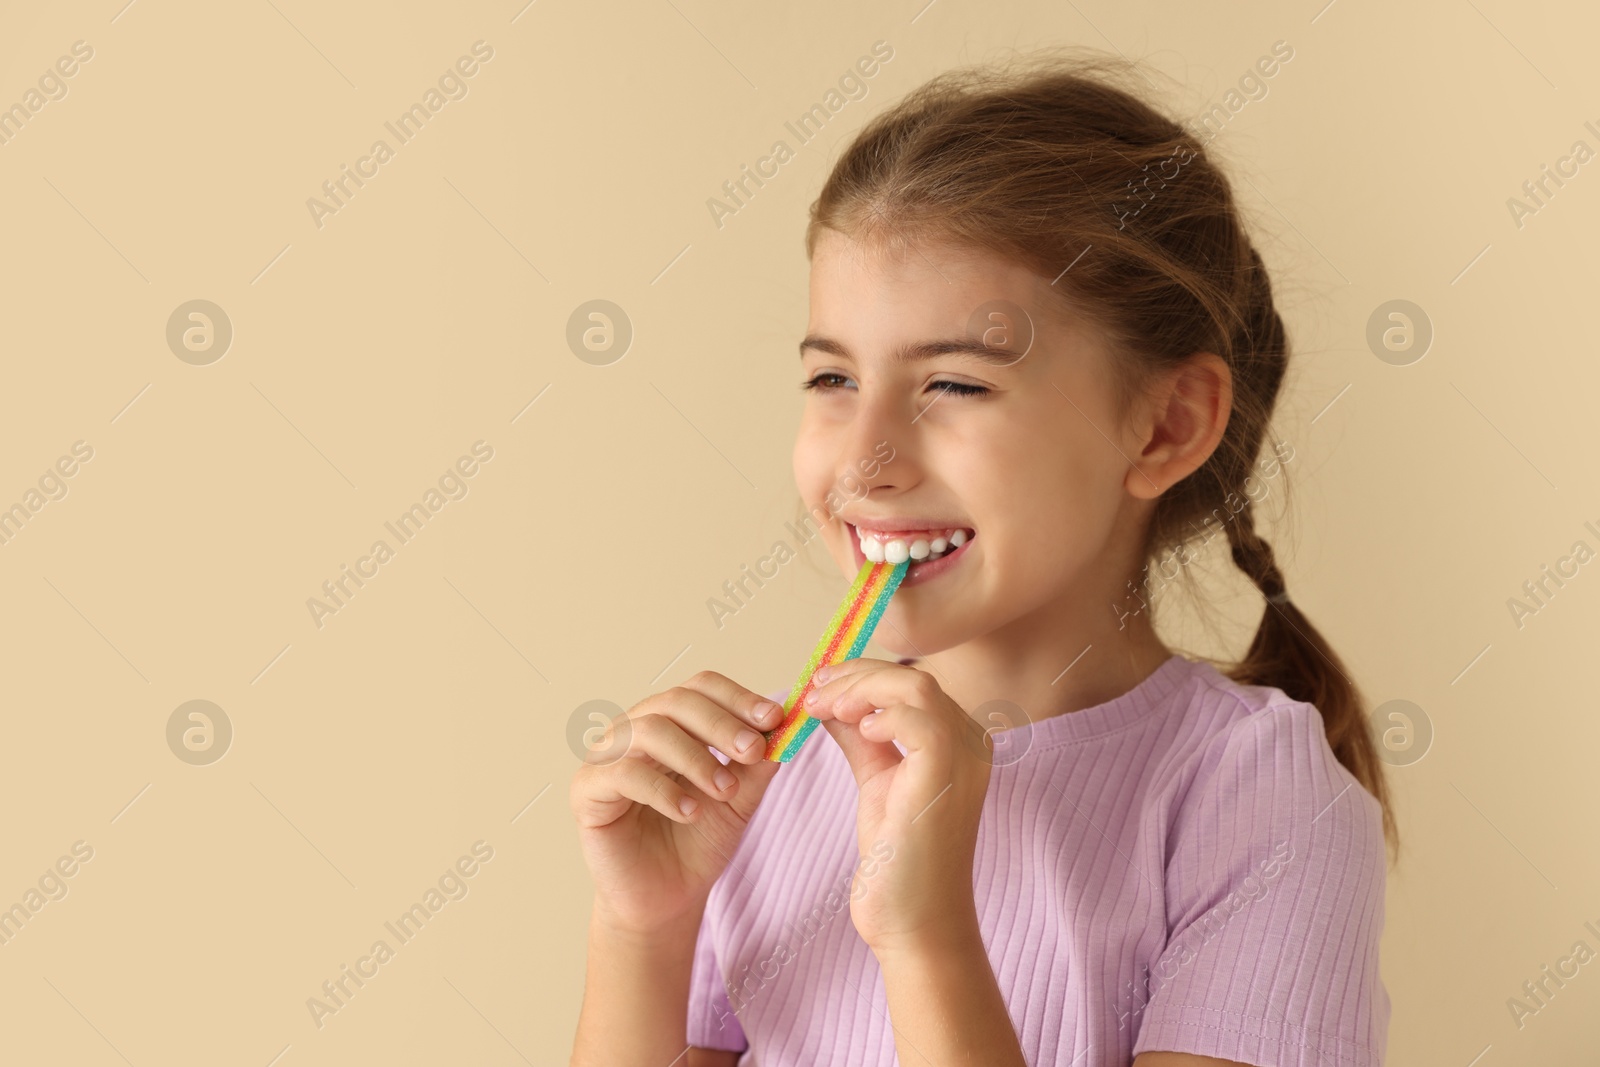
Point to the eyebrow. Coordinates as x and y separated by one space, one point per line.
920 350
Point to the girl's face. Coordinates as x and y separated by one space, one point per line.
1013 443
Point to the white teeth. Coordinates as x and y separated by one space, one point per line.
897 550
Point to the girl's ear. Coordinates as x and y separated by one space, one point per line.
1180 424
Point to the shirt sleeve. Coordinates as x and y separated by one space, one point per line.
1275 894
712 1023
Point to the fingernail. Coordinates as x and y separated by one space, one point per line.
822 673
723 779
768 712
745 739
687 805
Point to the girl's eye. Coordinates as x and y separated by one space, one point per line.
959 388
817 383
825 383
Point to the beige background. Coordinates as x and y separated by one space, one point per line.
431 711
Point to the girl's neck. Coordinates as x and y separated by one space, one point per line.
1047 682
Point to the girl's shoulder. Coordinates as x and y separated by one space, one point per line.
1224 712
1236 747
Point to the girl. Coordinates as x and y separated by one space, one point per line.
1037 836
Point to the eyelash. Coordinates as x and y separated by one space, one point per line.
958 388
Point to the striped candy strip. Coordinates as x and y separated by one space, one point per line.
845 638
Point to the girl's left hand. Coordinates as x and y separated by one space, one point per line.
924 806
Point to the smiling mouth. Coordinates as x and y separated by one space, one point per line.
897 546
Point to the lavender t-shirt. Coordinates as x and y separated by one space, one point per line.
1186 867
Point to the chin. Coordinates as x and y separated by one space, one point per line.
887 637
899 635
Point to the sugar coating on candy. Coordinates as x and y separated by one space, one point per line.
845 638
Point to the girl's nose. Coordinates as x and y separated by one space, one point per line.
879 452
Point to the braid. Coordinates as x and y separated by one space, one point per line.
1253 555
1287 652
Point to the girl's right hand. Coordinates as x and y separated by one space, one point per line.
652 862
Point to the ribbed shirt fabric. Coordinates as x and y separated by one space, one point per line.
1186 867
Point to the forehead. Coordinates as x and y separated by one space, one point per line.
930 283
910 298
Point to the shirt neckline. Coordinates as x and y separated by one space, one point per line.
1097 719
1111 715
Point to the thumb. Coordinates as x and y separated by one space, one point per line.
867 759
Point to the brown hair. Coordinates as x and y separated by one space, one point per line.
1056 162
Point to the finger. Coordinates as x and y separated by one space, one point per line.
719 712
663 740
602 795
866 757
828 682
747 704
863 691
913 728
829 671
889 725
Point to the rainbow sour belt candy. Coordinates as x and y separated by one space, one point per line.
845 638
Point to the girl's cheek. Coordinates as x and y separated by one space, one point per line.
808 464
